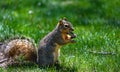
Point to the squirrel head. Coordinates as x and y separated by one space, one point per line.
64 25
66 29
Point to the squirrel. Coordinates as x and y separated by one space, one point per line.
13 49
48 50
49 46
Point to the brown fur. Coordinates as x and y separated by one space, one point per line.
16 48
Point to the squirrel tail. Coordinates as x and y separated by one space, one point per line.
31 56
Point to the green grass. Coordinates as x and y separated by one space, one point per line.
96 24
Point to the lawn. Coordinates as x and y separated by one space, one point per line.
96 23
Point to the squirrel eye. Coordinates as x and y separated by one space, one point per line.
66 26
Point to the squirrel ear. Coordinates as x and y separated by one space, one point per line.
65 18
60 22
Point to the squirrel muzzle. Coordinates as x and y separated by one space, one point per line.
70 36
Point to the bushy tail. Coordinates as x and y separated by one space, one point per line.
9 48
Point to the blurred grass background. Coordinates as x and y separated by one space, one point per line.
96 22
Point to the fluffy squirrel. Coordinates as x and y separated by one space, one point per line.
48 50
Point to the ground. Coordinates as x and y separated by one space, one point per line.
96 22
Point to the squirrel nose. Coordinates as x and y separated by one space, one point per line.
74 36
72 29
